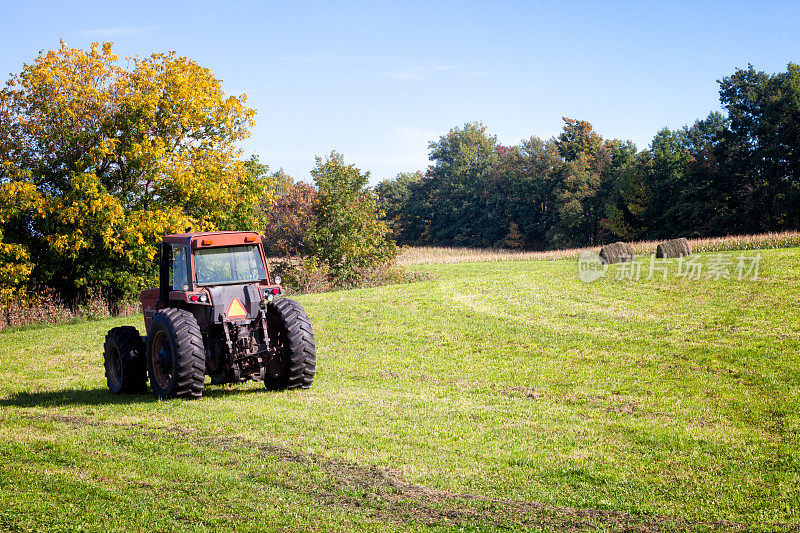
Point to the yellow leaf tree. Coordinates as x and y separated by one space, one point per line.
111 157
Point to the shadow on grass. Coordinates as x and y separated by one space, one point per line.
73 397
102 396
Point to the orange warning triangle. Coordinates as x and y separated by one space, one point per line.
236 309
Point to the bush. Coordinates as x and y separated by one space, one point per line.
45 306
309 276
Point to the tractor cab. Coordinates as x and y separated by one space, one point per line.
216 276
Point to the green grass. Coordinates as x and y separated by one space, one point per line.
497 395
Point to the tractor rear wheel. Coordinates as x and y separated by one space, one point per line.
123 354
176 359
295 360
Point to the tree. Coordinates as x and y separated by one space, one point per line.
531 202
577 138
18 202
722 174
347 232
760 152
514 238
576 188
584 189
395 197
626 213
289 220
463 159
688 193
111 158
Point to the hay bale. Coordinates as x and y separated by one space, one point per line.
618 252
673 248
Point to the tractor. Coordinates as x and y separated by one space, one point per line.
217 311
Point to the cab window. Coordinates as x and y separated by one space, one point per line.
180 281
228 265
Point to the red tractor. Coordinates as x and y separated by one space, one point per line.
217 311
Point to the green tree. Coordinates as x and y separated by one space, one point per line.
760 154
463 159
395 197
626 213
347 233
688 193
532 200
576 189
584 189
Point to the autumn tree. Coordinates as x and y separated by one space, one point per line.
578 137
111 158
289 220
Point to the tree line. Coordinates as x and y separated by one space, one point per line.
729 173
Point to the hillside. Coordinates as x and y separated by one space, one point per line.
496 395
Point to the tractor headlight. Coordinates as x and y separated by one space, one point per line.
203 298
270 298
277 280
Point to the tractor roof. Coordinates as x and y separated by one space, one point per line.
219 238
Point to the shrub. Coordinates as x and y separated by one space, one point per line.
348 232
309 276
45 306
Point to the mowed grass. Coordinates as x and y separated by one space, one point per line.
496 395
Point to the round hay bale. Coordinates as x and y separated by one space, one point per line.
618 252
674 248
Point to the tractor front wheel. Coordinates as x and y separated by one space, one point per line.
294 363
176 359
123 354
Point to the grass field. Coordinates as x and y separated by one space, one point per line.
495 396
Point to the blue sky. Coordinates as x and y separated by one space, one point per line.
377 80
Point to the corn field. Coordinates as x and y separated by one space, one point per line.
435 255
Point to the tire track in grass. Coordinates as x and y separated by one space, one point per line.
382 494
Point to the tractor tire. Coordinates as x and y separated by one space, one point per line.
176 359
295 361
123 355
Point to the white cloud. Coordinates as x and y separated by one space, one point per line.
417 73
111 32
472 74
311 58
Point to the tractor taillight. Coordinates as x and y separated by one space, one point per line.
276 290
194 297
